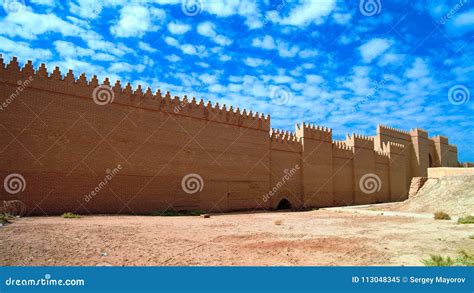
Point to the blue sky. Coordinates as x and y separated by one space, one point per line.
346 65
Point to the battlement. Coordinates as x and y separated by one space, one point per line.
440 139
341 149
393 132
381 157
283 136
313 132
285 141
418 132
82 88
393 148
360 141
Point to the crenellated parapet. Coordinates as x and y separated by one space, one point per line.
393 148
393 132
285 141
440 139
315 132
381 157
360 141
418 132
81 87
342 150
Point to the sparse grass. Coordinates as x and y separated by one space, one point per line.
71 216
463 259
438 261
278 222
172 213
4 218
466 220
441 216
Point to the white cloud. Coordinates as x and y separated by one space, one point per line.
419 69
126 67
246 8
23 50
266 42
308 53
342 18
70 50
171 41
178 28
173 58
308 11
224 58
136 20
28 25
255 62
89 9
208 29
146 47
374 48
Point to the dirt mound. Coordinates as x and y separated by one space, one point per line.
451 194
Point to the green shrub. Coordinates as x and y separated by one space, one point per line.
172 213
463 259
4 218
71 216
438 261
441 216
466 220
471 236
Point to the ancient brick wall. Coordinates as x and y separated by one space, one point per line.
88 147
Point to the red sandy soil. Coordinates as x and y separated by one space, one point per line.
324 237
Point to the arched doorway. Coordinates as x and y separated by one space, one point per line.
284 204
430 158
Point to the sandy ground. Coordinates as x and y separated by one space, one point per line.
324 237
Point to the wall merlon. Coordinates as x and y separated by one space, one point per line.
440 139
315 132
393 148
360 141
383 130
418 132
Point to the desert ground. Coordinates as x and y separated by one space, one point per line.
332 237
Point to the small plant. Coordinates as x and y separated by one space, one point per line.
441 216
4 218
466 220
173 213
71 216
463 259
438 261
278 222
471 236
